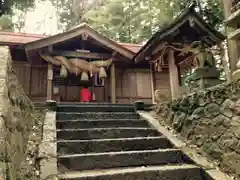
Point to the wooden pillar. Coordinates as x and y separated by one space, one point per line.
153 82
232 44
174 75
49 81
113 84
30 81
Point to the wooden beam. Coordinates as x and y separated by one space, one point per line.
30 80
174 75
49 81
113 84
232 45
153 82
159 47
83 54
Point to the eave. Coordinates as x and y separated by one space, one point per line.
82 29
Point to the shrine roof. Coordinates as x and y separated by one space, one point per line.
15 38
187 28
83 29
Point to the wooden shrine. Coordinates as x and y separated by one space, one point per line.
232 13
57 67
180 47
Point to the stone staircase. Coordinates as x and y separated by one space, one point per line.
111 142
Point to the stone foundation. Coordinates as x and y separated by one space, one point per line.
209 120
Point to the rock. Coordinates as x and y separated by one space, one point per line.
221 120
211 110
178 121
231 162
236 131
216 132
235 122
197 113
198 140
226 108
236 108
212 149
202 101
170 117
228 142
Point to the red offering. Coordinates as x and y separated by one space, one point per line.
85 95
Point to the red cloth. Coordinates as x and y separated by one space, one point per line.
85 95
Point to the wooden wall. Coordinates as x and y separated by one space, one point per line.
163 83
131 84
33 78
22 70
135 84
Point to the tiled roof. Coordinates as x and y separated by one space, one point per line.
11 38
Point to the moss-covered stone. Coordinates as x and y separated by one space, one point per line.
17 120
210 120
231 162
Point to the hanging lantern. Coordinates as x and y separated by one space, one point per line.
102 73
84 76
63 71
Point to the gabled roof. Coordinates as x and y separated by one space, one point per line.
16 38
81 29
196 24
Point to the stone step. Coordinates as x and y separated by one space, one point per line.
95 107
105 133
99 115
169 172
85 124
78 162
112 145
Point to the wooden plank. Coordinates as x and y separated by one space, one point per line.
153 82
235 35
113 84
174 75
90 55
143 84
49 82
232 45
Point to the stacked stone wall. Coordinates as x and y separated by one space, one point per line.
209 120
18 120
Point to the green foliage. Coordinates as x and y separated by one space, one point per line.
7 5
6 23
136 20
72 12
14 7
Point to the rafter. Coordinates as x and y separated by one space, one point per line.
83 54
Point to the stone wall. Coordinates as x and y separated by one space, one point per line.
209 120
18 118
